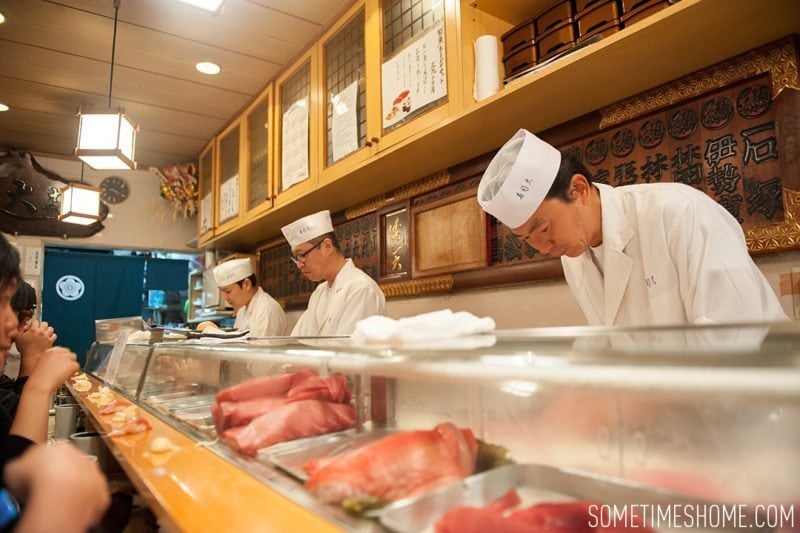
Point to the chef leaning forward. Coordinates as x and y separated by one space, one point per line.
646 254
346 295
255 309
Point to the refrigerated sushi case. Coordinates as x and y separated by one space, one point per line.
710 412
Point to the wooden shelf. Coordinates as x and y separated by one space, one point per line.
512 11
681 39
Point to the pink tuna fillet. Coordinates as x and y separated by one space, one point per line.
295 420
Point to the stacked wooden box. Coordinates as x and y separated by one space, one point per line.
567 23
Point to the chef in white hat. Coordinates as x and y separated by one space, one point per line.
346 294
255 309
645 254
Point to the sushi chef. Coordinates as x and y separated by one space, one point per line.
255 309
646 254
345 295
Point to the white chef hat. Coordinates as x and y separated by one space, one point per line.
230 272
518 178
307 228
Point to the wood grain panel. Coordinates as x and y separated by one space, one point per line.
276 37
18 94
449 236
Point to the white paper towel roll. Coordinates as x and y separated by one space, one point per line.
487 67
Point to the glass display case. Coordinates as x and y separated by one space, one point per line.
710 413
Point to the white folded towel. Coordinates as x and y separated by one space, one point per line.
437 325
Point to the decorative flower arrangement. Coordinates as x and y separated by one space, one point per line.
179 187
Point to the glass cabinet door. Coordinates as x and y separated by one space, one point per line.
418 55
229 158
205 215
257 150
345 117
297 139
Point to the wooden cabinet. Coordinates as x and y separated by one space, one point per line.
297 142
349 128
259 133
682 38
419 67
229 181
206 221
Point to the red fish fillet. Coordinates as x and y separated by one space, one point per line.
565 517
308 387
300 385
396 466
277 385
295 420
231 414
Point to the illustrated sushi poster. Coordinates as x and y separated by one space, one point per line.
414 77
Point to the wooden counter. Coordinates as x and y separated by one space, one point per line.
192 489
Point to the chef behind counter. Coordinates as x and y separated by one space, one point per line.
255 309
637 255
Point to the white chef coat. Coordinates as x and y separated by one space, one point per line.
262 315
335 309
671 255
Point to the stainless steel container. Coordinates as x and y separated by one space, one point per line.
66 421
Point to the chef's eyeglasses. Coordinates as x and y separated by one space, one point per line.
301 257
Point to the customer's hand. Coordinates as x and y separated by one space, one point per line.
32 341
60 488
55 366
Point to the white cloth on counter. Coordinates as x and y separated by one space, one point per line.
143 337
438 325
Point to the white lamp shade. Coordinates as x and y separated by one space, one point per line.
106 139
80 204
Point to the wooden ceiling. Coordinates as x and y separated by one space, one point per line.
55 56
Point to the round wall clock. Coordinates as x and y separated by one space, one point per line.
114 190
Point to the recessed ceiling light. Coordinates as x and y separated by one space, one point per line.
3 107
2 17
210 5
207 67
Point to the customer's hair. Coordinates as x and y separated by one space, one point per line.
24 299
570 165
9 264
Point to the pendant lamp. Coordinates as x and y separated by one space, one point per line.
107 137
80 203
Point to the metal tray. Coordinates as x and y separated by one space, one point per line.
540 483
175 392
291 456
198 417
187 402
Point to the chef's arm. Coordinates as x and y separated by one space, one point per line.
359 305
717 280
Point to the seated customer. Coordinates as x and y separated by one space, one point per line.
28 416
346 295
255 309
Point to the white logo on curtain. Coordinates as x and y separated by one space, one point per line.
70 287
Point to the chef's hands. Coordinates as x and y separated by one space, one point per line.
61 490
34 338
54 367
